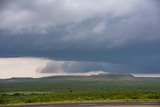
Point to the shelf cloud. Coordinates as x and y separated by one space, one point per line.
86 35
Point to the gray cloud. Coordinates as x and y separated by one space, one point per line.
136 65
79 67
123 32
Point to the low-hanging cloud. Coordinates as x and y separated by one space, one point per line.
139 65
78 67
123 32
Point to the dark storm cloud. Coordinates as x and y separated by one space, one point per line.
122 34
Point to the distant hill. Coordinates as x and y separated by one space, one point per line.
17 79
99 77
114 76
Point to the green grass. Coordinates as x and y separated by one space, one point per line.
11 98
78 91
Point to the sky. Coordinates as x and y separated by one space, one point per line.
49 37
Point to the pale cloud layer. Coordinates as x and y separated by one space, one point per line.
20 67
122 35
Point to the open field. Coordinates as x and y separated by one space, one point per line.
64 89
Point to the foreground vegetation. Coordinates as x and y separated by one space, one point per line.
59 91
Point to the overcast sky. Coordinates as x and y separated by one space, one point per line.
79 36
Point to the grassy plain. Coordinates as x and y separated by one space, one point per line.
80 89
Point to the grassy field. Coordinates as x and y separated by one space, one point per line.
71 90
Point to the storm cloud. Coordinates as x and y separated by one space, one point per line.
76 67
92 34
